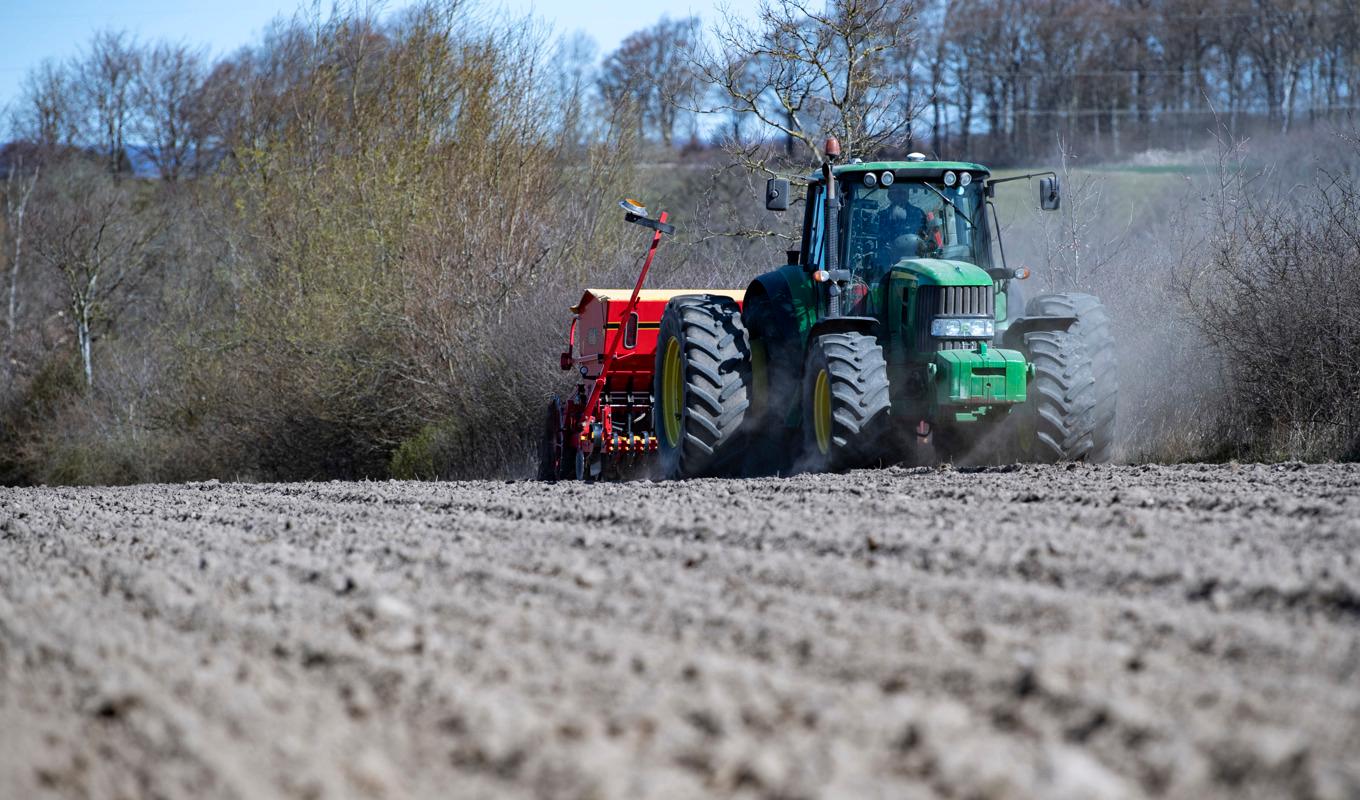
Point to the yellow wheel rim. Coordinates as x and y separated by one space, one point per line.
821 411
672 391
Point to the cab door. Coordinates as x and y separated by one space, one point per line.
814 255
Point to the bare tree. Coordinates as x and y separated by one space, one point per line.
623 82
1280 46
576 55
95 236
676 82
166 90
47 114
806 74
18 189
651 75
104 80
936 56
1083 238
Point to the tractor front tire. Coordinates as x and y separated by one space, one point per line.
845 402
701 385
1071 410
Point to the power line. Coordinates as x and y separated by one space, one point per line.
1104 73
1154 16
1150 112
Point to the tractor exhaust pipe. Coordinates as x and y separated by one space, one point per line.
833 227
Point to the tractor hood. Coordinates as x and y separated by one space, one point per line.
941 272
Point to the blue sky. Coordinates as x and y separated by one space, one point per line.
36 29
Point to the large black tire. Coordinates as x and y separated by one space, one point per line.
1057 418
1075 389
703 349
551 446
845 402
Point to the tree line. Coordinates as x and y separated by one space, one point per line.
1005 80
997 79
290 261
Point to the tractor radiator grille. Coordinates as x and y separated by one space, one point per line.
950 301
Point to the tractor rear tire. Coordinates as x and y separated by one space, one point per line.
845 402
1075 389
553 453
701 386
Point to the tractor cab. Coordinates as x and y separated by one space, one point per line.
893 215
890 214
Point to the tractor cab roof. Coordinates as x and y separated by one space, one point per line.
906 169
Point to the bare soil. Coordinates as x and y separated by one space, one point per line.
1056 632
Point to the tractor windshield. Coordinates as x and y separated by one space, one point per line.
914 220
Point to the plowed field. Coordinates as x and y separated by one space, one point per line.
1055 632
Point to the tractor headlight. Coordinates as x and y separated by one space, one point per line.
962 328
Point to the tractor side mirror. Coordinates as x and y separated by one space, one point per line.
1049 198
776 194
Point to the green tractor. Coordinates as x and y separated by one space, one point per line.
892 331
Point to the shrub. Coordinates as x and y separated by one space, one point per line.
1277 300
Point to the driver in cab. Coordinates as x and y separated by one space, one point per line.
914 232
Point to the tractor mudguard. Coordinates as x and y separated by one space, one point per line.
789 304
779 309
1014 337
865 325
